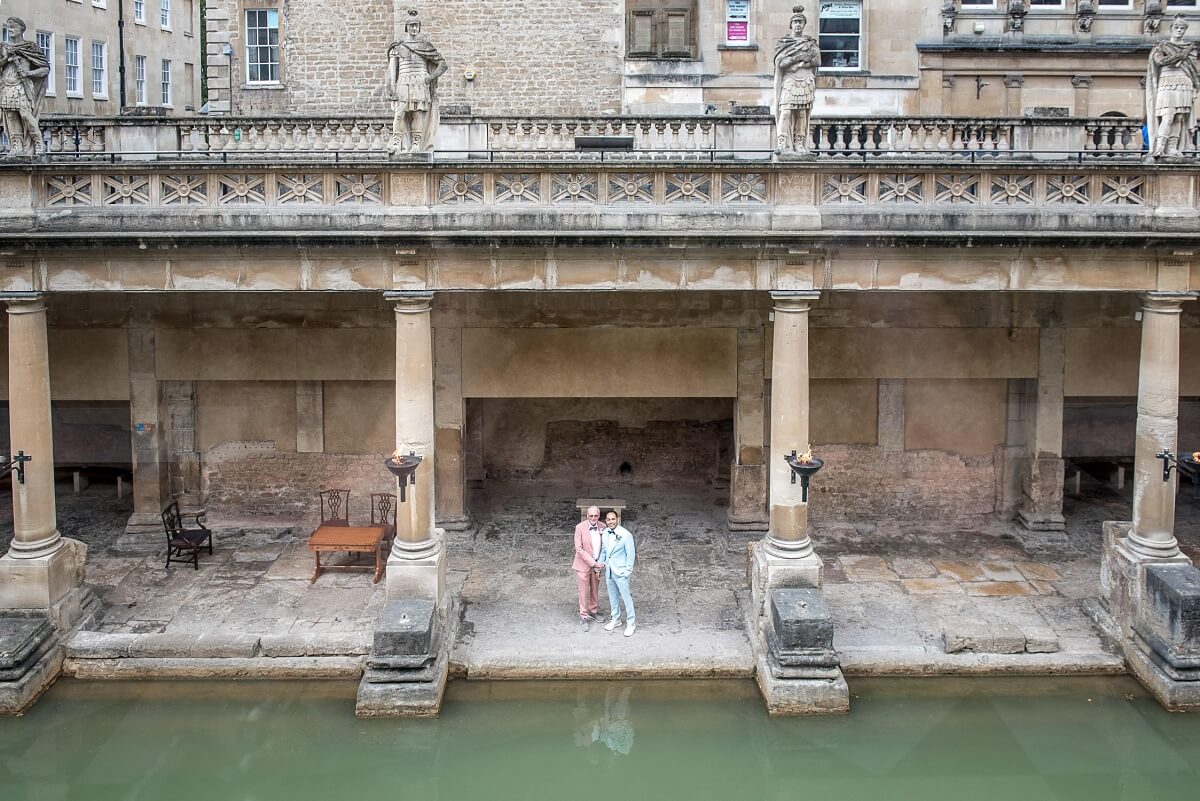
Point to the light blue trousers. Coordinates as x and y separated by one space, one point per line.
619 585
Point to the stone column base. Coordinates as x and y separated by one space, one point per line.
748 498
1121 579
796 667
1174 695
419 577
144 523
455 523
31 652
785 697
1042 487
769 572
409 661
41 582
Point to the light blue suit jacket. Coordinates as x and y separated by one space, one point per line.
617 551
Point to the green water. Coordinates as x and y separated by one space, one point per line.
905 739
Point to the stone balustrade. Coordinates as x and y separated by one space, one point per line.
707 138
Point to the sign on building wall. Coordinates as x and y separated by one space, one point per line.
737 20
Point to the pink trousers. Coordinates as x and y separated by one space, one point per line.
589 592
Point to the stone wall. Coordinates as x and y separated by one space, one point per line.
660 440
529 56
541 57
253 481
337 56
862 483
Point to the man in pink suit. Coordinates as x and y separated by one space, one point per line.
587 566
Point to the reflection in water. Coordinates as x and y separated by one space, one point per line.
604 723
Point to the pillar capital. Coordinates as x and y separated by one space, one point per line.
799 301
24 302
1166 302
410 301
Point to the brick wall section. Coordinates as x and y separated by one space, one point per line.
336 53
864 483
530 56
247 481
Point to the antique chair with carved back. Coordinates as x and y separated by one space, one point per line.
184 543
383 513
335 507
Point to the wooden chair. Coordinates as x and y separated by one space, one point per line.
185 543
335 507
383 513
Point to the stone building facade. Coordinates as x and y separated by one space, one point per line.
86 40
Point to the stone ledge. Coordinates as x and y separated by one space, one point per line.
314 667
287 645
866 661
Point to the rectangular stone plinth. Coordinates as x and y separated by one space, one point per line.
800 619
410 579
409 681
404 629
1168 618
788 695
42 582
20 637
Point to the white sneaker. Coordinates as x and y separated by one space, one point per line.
612 624
630 628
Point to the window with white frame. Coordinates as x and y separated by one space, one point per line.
71 67
164 15
166 82
1048 3
839 33
99 70
977 3
45 43
1115 3
139 12
139 81
100 3
1182 3
262 45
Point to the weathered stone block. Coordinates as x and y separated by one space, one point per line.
801 620
1172 605
1007 639
404 628
967 635
20 637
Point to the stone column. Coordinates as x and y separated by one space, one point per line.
1042 482
449 418
748 476
38 569
416 566
789 550
151 486
1153 533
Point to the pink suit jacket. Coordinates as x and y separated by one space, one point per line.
583 561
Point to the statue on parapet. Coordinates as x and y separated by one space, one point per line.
796 60
414 66
1172 79
23 73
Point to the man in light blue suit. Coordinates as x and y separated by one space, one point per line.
617 554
